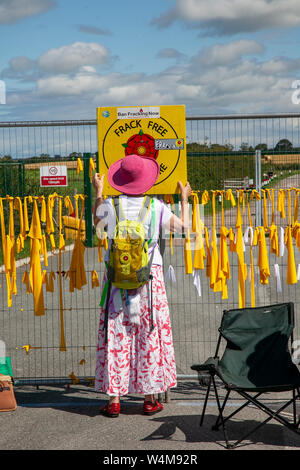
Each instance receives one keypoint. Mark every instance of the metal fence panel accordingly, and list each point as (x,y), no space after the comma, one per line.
(221,150)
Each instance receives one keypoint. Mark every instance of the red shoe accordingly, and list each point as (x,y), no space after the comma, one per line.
(112,410)
(150,408)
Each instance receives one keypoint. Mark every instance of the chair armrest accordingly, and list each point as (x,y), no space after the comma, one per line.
(210,365)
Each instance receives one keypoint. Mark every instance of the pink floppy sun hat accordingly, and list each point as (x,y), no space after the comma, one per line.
(133,174)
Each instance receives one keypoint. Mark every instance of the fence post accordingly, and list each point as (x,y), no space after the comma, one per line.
(21,178)
(97,161)
(88,200)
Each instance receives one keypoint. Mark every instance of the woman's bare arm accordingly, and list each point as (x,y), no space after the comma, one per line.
(98,185)
(178,224)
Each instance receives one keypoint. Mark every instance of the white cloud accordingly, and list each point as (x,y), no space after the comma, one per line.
(223,54)
(220,79)
(170,53)
(64,85)
(12,11)
(69,58)
(19,67)
(232,16)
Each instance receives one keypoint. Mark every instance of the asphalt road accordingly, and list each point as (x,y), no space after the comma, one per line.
(56,418)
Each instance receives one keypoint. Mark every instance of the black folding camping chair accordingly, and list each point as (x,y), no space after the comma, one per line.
(257,359)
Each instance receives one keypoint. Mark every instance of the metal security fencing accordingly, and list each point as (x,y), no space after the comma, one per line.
(223,152)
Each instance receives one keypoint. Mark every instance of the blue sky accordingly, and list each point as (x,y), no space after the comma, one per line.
(60,59)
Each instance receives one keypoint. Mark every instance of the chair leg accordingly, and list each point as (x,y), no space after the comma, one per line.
(236,411)
(297,422)
(220,408)
(275,415)
(205,401)
(217,425)
(294,408)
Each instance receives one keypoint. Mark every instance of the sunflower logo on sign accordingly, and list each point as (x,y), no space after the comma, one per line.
(141,144)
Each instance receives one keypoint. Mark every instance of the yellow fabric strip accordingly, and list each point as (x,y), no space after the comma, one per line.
(44,249)
(188,254)
(291,277)
(263,261)
(95,279)
(69,205)
(265,214)
(49,213)
(214,283)
(76,273)
(240,253)
(25,280)
(35,228)
(205,197)
(251,256)
(281,203)
(41,200)
(50,283)
(197,227)
(79,166)
(296,206)
(229,197)
(26,221)
(35,275)
(273,231)
(18,206)
(91,168)
(61,242)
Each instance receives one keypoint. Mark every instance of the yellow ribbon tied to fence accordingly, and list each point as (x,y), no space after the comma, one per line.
(69,205)
(102,243)
(252,283)
(291,277)
(26,221)
(223,273)
(198,227)
(26,281)
(230,197)
(273,231)
(281,203)
(266,192)
(21,236)
(239,248)
(215,284)
(79,166)
(9,256)
(188,261)
(49,219)
(296,224)
(95,279)
(91,168)
(50,282)
(76,272)
(35,276)
(263,261)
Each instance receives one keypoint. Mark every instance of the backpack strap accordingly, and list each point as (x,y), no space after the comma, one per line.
(119,213)
(144,209)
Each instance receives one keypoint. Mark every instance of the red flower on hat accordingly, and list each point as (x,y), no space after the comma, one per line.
(141,144)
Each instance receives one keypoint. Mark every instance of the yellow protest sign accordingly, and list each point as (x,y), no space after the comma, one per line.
(154,131)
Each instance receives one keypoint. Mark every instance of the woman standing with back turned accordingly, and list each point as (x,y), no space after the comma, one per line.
(136,358)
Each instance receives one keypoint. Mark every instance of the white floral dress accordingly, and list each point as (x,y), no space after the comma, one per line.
(135,359)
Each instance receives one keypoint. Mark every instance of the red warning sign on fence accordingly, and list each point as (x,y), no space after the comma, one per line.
(53,175)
